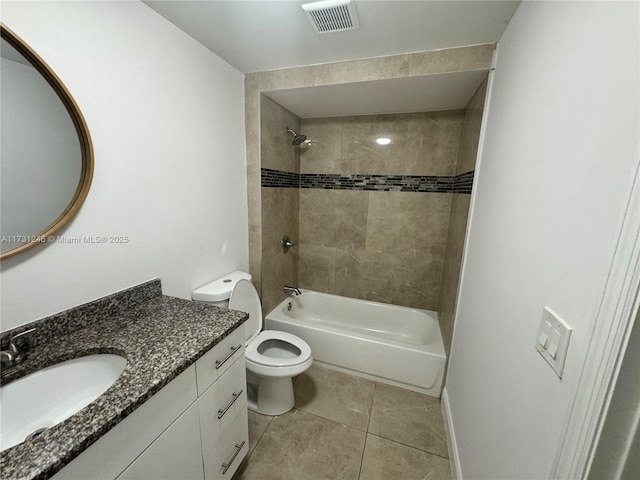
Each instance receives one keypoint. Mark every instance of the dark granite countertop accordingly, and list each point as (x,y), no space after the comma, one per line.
(159,336)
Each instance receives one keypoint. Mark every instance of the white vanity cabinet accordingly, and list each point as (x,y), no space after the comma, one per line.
(174,454)
(203,411)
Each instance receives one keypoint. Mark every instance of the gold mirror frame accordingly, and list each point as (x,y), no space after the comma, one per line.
(86,147)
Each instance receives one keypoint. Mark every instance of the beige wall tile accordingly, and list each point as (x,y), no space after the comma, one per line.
(408,280)
(408,223)
(364,275)
(376,68)
(476,57)
(458,217)
(279,218)
(334,218)
(416,280)
(421,144)
(317,266)
(252,128)
(316,217)
(350,210)
(277,271)
(276,149)
(451,267)
(471,130)
(279,207)
(324,152)
(401,262)
(255,256)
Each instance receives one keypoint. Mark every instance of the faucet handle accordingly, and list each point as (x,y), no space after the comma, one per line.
(286,244)
(12,339)
(295,290)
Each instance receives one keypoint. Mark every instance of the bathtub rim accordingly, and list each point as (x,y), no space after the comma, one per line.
(436,348)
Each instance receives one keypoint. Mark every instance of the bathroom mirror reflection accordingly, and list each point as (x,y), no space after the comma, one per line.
(47,160)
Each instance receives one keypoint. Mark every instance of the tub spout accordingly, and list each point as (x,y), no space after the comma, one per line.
(296,291)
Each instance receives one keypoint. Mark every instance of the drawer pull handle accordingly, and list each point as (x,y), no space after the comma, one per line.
(225,466)
(224,410)
(219,363)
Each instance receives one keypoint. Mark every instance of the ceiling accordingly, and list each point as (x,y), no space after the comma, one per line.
(398,95)
(255,36)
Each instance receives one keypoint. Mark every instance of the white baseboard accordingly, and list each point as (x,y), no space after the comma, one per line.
(452,446)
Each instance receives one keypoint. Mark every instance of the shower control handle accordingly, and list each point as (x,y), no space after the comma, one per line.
(286,244)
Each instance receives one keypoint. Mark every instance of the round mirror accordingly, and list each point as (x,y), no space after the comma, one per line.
(46,161)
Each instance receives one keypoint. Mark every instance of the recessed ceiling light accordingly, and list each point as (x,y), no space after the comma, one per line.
(383,141)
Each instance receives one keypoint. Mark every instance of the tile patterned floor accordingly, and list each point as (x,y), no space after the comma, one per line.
(348,428)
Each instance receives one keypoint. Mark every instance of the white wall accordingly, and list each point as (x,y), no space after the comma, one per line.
(167,120)
(561,142)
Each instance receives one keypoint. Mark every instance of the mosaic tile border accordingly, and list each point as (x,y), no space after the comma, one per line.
(385,183)
(279,179)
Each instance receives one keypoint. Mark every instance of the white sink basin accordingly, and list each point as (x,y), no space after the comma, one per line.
(47,397)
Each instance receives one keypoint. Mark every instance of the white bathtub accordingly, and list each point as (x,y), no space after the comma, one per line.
(399,346)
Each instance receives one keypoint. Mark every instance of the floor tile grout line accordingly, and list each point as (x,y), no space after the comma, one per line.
(330,419)
(262,434)
(366,436)
(410,446)
(373,400)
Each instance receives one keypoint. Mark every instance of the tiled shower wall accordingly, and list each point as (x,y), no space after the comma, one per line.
(459,212)
(265,211)
(375,238)
(375,222)
(279,205)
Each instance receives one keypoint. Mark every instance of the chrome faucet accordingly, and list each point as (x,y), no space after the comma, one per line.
(13,355)
(296,291)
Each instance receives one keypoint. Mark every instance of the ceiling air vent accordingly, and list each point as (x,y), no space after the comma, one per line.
(332,15)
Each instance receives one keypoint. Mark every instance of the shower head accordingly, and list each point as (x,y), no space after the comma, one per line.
(297,139)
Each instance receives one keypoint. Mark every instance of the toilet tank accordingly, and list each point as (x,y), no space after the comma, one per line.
(218,291)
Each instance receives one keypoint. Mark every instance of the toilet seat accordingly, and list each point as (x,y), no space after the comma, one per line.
(253,347)
(272,357)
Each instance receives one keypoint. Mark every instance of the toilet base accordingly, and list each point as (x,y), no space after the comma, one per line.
(270,396)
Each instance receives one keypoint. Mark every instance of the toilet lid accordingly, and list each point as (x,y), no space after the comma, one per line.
(277,349)
(245,298)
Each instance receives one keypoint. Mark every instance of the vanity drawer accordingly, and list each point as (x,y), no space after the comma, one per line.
(220,404)
(213,364)
(222,462)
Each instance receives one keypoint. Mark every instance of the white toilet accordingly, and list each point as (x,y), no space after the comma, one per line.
(272,357)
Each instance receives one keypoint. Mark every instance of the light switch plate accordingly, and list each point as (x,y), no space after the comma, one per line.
(552,340)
